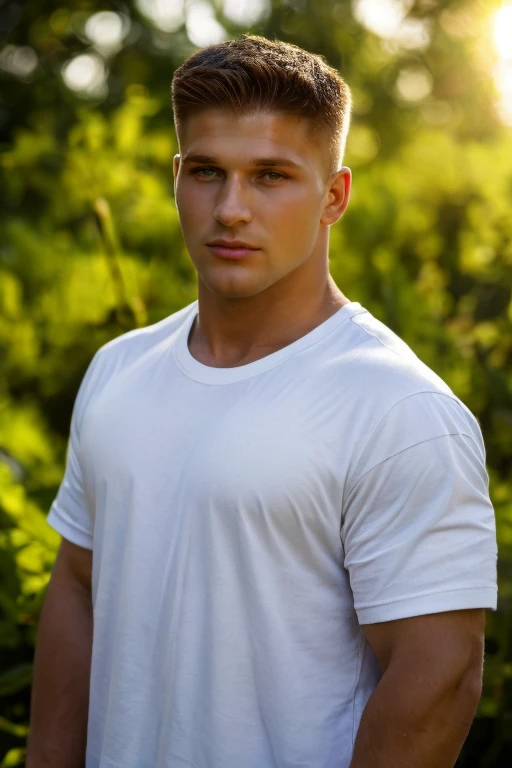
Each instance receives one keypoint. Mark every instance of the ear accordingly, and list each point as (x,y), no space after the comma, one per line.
(338,194)
(175,169)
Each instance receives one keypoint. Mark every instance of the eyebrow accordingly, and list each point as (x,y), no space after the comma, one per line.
(267,162)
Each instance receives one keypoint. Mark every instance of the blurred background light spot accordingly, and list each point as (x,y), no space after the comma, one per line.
(388,19)
(503,31)
(167,15)
(412,34)
(86,75)
(20,61)
(383,17)
(414,84)
(107,30)
(504,83)
(202,26)
(246,12)
(503,72)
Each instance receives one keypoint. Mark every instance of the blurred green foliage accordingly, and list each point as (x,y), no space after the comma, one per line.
(90,247)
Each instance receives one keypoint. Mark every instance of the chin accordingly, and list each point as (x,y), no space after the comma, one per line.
(232,288)
(232,292)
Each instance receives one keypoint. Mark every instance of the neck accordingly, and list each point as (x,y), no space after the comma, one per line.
(232,332)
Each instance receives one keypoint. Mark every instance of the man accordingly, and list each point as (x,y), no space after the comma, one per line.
(278,541)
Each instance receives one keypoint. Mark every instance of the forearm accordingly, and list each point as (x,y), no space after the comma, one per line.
(407,725)
(60,691)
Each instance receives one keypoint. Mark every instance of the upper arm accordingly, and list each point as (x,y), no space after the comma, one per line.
(444,646)
(418,528)
(73,567)
(71,514)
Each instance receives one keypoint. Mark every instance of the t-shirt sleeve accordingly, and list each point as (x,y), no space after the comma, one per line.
(71,514)
(418,527)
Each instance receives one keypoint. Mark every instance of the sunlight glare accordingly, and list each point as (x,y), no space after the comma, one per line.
(503,44)
(503,31)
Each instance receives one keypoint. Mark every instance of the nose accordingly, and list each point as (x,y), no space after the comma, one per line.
(232,205)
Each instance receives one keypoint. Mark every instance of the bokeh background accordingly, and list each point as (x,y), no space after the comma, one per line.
(90,244)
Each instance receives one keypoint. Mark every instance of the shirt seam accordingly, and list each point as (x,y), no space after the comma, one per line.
(61,515)
(428,593)
(390,349)
(386,413)
(409,447)
(191,374)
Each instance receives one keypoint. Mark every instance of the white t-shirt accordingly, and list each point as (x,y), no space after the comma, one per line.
(245,521)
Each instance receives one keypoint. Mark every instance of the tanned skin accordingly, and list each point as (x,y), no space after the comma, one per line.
(62,666)
(421,711)
(254,306)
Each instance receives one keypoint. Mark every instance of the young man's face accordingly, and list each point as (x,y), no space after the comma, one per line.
(254,198)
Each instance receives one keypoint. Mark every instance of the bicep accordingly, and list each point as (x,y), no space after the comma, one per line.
(73,566)
(446,645)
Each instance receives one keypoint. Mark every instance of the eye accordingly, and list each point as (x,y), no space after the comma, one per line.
(204,173)
(274,175)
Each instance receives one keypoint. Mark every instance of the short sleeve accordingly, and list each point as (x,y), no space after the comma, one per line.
(418,527)
(70,514)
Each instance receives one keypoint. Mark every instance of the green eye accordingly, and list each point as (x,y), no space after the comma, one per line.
(273,176)
(204,173)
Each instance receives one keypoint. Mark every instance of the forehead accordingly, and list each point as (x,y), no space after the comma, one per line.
(235,138)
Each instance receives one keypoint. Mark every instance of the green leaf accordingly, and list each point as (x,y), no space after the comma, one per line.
(15,728)
(14,757)
(16,679)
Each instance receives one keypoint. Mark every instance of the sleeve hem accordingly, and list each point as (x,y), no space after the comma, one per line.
(75,535)
(439,602)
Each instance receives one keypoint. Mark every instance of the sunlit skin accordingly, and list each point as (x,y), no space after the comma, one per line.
(261,178)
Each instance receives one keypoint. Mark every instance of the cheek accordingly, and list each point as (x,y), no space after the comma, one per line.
(192,203)
(296,217)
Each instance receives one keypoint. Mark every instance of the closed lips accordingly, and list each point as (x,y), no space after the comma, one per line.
(232,244)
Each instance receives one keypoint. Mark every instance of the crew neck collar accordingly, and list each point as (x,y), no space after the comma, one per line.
(211,375)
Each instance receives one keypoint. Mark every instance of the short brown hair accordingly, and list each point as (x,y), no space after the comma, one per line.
(253,73)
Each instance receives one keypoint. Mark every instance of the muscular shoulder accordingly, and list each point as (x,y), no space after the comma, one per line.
(132,345)
(383,367)
(396,400)
(118,355)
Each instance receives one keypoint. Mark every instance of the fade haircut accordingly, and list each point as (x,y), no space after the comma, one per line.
(252,74)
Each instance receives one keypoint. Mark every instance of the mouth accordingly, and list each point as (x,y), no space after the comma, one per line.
(232,249)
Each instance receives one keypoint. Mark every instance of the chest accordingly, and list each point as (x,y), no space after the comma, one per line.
(255,448)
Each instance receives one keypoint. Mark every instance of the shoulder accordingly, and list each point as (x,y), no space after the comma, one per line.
(383,365)
(133,344)
(398,400)
(117,355)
